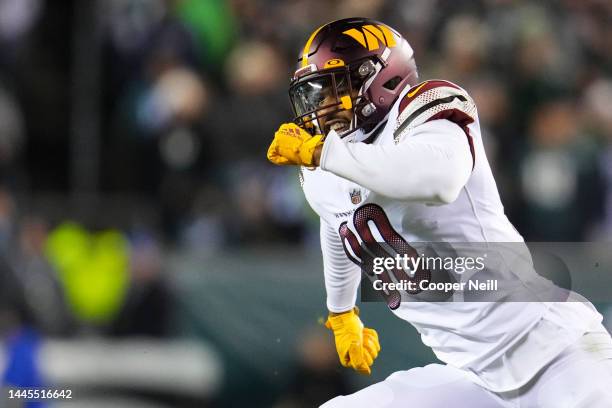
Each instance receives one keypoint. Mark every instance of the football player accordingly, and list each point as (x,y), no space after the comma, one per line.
(386,158)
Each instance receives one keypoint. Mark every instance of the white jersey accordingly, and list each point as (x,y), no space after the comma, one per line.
(426,178)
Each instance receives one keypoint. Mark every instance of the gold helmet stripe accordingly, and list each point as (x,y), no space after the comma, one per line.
(308,44)
(357,36)
(388,35)
(372,41)
(376,31)
(372,36)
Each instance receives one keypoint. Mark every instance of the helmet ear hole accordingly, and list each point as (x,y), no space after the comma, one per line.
(392,83)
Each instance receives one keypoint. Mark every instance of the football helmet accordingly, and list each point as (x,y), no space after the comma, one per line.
(350,73)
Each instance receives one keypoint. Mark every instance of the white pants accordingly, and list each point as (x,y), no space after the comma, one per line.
(580,377)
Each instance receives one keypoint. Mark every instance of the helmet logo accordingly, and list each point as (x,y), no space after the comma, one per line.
(370,36)
(332,63)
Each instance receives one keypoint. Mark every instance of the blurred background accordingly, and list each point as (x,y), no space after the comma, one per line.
(150,256)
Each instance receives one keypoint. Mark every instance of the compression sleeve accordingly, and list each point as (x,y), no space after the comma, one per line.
(342,276)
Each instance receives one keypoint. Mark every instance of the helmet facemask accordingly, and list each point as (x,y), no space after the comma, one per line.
(318,97)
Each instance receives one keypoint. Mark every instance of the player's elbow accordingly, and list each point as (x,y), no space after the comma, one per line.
(432,188)
(448,194)
(450,187)
(456,175)
(434,192)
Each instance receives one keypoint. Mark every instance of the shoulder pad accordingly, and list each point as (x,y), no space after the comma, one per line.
(435,99)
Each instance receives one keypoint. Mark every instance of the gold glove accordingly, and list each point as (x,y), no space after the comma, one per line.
(357,346)
(293,145)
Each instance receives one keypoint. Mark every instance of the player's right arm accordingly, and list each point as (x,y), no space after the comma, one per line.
(357,346)
(342,276)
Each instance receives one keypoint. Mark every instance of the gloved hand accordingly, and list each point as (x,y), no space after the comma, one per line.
(357,346)
(293,145)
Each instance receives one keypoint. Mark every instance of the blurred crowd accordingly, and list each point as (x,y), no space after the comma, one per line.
(189,94)
(182,98)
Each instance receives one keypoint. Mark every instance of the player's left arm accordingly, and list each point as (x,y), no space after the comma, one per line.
(432,158)
(431,166)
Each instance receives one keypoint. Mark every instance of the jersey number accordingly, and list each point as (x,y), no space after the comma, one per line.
(363,254)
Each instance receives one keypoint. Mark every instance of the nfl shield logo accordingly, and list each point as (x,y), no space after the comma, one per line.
(355,196)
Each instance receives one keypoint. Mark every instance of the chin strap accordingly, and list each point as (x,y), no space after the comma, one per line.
(358,134)
(375,132)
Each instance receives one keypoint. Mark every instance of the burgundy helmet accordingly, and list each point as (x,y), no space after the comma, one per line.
(357,64)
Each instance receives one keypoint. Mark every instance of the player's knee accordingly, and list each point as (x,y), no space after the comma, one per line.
(376,395)
(335,403)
